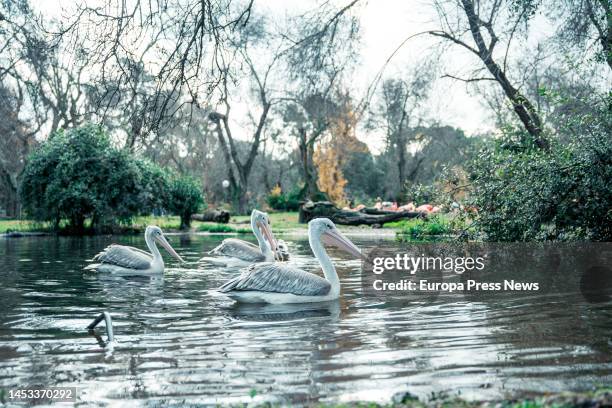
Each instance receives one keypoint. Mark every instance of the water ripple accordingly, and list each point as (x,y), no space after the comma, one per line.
(180,342)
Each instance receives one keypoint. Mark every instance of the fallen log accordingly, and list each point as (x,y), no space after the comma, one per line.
(311,210)
(375,211)
(220,216)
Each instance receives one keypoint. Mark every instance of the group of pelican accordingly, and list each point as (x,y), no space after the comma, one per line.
(266,277)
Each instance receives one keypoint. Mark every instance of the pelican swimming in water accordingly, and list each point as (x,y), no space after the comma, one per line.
(279,283)
(126,259)
(238,252)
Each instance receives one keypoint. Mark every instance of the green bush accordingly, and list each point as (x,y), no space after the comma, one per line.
(277,200)
(422,228)
(523,193)
(222,228)
(78,174)
(184,198)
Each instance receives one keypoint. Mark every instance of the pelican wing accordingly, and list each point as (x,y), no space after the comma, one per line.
(125,256)
(278,278)
(237,248)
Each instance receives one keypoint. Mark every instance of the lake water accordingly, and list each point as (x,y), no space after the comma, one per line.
(178,342)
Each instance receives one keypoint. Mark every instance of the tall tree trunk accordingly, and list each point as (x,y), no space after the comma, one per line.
(239,183)
(11,201)
(309,173)
(243,199)
(401,167)
(523,108)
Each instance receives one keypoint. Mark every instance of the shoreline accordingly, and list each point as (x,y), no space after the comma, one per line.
(296,232)
(565,399)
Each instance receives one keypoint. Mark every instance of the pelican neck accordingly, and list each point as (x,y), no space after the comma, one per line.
(263,247)
(329,270)
(157,258)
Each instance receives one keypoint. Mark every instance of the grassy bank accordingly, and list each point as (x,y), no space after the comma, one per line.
(238,224)
(435,226)
(440,226)
(23,226)
(281,221)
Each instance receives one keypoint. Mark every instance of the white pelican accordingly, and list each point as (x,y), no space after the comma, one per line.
(238,252)
(279,283)
(126,259)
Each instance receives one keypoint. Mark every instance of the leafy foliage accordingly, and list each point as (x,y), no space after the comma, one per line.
(78,174)
(154,194)
(429,228)
(280,201)
(185,198)
(523,193)
(331,180)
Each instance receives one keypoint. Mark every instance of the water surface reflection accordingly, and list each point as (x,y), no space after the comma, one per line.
(180,342)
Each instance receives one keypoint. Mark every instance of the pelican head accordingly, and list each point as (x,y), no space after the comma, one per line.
(262,222)
(154,233)
(324,230)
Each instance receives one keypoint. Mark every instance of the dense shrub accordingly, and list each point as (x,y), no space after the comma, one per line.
(184,198)
(154,190)
(77,175)
(523,193)
(277,200)
(424,228)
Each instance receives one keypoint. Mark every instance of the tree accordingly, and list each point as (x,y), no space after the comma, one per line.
(16,141)
(78,174)
(36,63)
(364,178)
(479,29)
(239,167)
(399,111)
(185,198)
(153,194)
(331,181)
(554,89)
(570,199)
(321,55)
(187,39)
(584,23)
(335,152)
(309,117)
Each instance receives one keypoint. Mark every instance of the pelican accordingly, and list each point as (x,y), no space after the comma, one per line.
(238,252)
(282,250)
(126,259)
(279,283)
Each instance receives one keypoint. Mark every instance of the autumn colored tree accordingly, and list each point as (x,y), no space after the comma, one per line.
(331,181)
(335,150)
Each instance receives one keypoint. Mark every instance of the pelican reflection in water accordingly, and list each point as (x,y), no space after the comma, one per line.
(285,312)
(126,259)
(279,283)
